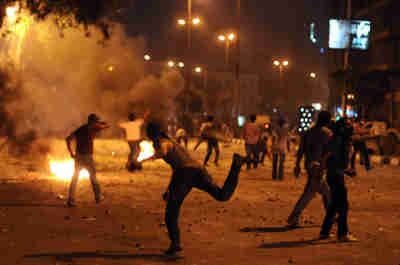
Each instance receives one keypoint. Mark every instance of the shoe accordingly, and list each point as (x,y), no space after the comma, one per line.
(347,238)
(172,250)
(326,236)
(238,159)
(293,225)
(100,199)
(70,204)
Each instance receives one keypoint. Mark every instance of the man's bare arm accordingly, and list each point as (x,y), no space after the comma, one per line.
(68,141)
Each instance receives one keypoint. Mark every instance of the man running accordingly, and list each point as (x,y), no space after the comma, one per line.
(83,156)
(313,145)
(187,173)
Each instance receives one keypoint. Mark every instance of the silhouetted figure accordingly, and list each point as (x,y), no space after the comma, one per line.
(83,155)
(337,160)
(314,145)
(187,173)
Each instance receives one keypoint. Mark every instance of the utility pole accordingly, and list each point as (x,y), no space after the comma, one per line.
(237,67)
(188,53)
(346,61)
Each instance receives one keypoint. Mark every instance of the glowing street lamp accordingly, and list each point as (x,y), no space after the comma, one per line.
(181,64)
(171,63)
(228,39)
(313,75)
(276,63)
(147,57)
(285,63)
(350,96)
(281,65)
(195,21)
(110,68)
(198,69)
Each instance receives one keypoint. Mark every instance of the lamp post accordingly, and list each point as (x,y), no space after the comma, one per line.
(228,39)
(282,65)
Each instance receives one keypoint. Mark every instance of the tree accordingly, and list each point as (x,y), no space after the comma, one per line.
(71,13)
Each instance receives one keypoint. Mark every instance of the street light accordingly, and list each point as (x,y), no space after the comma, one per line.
(147,57)
(281,66)
(313,75)
(181,64)
(195,21)
(228,39)
(171,63)
(198,69)
(350,96)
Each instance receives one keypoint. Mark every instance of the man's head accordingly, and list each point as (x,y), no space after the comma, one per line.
(324,118)
(253,118)
(132,116)
(93,118)
(210,118)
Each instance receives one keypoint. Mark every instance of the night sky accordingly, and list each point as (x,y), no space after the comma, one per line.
(270,29)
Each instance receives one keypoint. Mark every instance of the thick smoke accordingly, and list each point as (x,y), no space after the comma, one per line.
(61,79)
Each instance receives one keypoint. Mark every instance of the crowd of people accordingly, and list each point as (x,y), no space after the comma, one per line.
(326,148)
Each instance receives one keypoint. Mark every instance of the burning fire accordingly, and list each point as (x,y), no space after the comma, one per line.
(64,169)
(146,150)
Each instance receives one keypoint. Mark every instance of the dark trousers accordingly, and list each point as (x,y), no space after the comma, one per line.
(339,204)
(262,151)
(184,139)
(183,180)
(132,163)
(84,162)
(212,144)
(278,158)
(252,155)
(360,146)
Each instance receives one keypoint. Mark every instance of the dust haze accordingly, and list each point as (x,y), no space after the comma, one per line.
(63,77)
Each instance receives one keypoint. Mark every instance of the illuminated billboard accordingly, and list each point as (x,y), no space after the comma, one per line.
(342,31)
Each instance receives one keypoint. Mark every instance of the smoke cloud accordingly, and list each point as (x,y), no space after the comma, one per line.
(62,78)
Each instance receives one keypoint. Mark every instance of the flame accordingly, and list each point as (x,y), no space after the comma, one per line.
(146,150)
(64,169)
(11,12)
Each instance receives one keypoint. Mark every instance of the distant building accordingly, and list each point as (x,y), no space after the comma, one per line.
(375,73)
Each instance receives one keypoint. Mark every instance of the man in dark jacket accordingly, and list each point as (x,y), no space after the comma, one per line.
(83,156)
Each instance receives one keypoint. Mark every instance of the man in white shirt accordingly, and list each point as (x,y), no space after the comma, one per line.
(280,144)
(133,131)
(252,133)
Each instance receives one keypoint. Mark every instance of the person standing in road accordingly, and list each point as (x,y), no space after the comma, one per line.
(280,144)
(359,146)
(133,132)
(336,161)
(251,134)
(313,146)
(83,155)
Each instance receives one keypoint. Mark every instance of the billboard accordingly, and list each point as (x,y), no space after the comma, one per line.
(342,32)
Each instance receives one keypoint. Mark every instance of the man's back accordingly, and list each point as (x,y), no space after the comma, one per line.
(252,133)
(133,129)
(316,143)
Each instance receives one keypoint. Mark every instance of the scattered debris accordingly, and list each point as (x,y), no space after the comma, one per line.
(89,218)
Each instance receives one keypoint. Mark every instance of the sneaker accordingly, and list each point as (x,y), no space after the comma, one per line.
(326,236)
(100,199)
(172,250)
(293,225)
(70,204)
(238,159)
(347,238)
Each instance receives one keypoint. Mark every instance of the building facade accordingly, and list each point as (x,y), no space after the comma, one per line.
(373,76)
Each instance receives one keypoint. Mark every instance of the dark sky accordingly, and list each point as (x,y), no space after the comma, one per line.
(270,29)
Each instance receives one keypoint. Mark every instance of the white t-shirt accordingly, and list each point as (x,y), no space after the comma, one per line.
(132,129)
